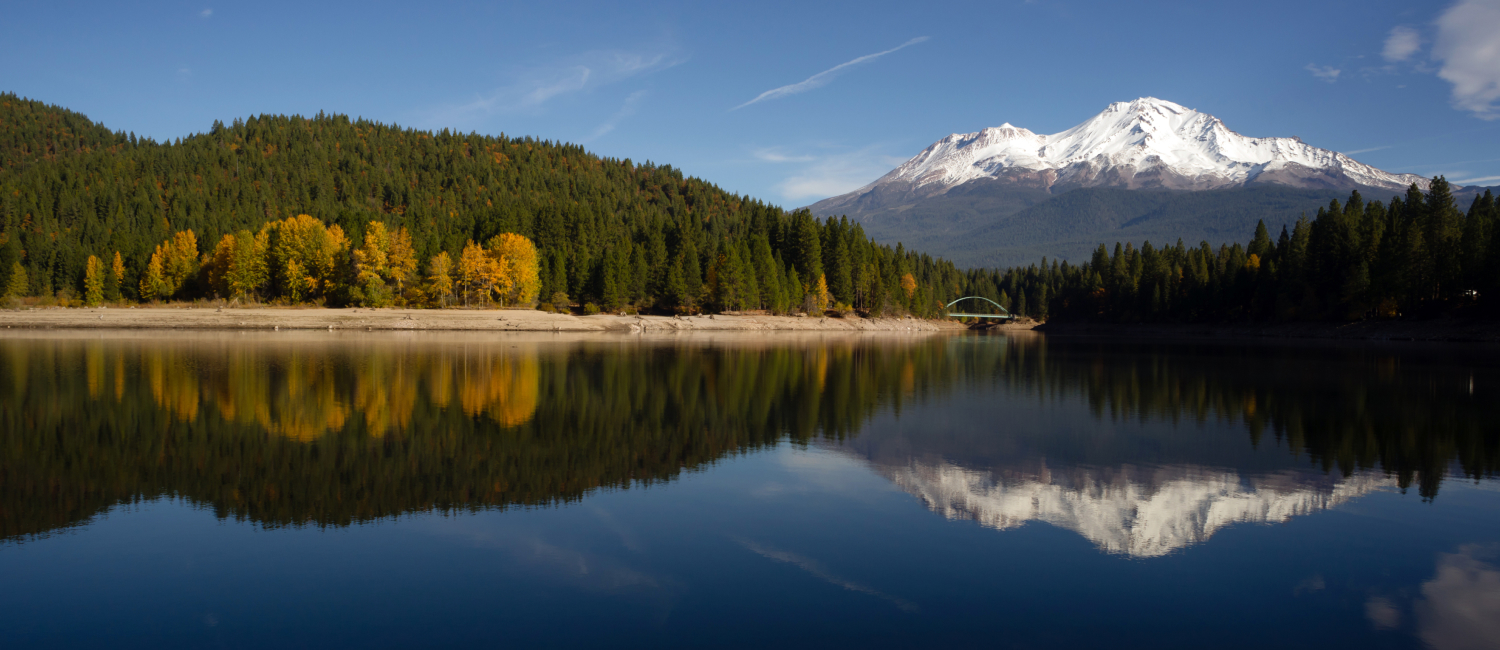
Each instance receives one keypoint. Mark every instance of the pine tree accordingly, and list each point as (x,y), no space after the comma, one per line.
(1477,233)
(114,279)
(768,271)
(807,251)
(1260,246)
(679,297)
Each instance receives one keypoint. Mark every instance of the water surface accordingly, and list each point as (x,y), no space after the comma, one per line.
(397,490)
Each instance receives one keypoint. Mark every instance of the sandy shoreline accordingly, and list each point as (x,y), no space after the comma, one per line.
(491,320)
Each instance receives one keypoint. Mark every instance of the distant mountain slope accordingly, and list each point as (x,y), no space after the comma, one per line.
(1147,169)
(984,225)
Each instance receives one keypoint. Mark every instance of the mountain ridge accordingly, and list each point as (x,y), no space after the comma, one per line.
(1152,169)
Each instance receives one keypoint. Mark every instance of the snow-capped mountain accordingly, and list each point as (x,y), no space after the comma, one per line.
(1132,511)
(1147,143)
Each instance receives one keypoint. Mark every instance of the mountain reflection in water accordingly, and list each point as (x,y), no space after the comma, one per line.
(1121,513)
(333,430)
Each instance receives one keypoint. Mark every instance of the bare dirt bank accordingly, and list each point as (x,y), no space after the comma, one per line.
(497,320)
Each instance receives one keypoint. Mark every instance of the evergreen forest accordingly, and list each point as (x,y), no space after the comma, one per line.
(1415,255)
(333,211)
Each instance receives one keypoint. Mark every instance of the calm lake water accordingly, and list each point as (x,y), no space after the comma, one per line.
(300,490)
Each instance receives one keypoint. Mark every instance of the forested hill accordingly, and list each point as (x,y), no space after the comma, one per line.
(608,231)
(31,131)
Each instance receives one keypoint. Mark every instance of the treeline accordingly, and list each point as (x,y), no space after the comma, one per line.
(606,231)
(1417,254)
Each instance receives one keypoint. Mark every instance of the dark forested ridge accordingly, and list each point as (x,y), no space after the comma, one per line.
(607,231)
(1419,254)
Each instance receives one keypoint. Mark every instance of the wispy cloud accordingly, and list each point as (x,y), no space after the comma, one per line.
(1360,151)
(776,155)
(626,110)
(819,175)
(1401,44)
(1477,181)
(817,570)
(1327,73)
(531,89)
(1468,45)
(822,78)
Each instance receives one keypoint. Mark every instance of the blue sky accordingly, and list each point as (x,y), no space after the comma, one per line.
(736,93)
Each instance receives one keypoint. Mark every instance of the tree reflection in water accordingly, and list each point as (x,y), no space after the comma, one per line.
(334,430)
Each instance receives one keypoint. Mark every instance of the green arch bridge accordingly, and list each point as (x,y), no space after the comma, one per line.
(1003,315)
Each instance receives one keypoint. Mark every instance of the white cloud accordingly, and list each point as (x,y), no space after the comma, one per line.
(822,78)
(1401,44)
(819,176)
(1359,151)
(1468,45)
(1461,604)
(206,13)
(1382,613)
(1329,74)
(626,110)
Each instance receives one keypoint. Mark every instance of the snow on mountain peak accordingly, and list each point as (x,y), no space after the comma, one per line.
(1148,142)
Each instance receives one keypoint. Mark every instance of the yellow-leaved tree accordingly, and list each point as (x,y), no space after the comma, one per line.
(237,268)
(18,284)
(476,273)
(218,265)
(370,266)
(116,278)
(820,295)
(517,269)
(172,263)
(305,256)
(401,261)
(439,287)
(93,281)
(383,265)
(248,271)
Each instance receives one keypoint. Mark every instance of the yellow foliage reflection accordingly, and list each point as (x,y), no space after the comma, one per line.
(305,395)
(505,388)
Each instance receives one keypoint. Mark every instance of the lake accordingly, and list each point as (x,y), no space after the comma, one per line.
(741,490)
